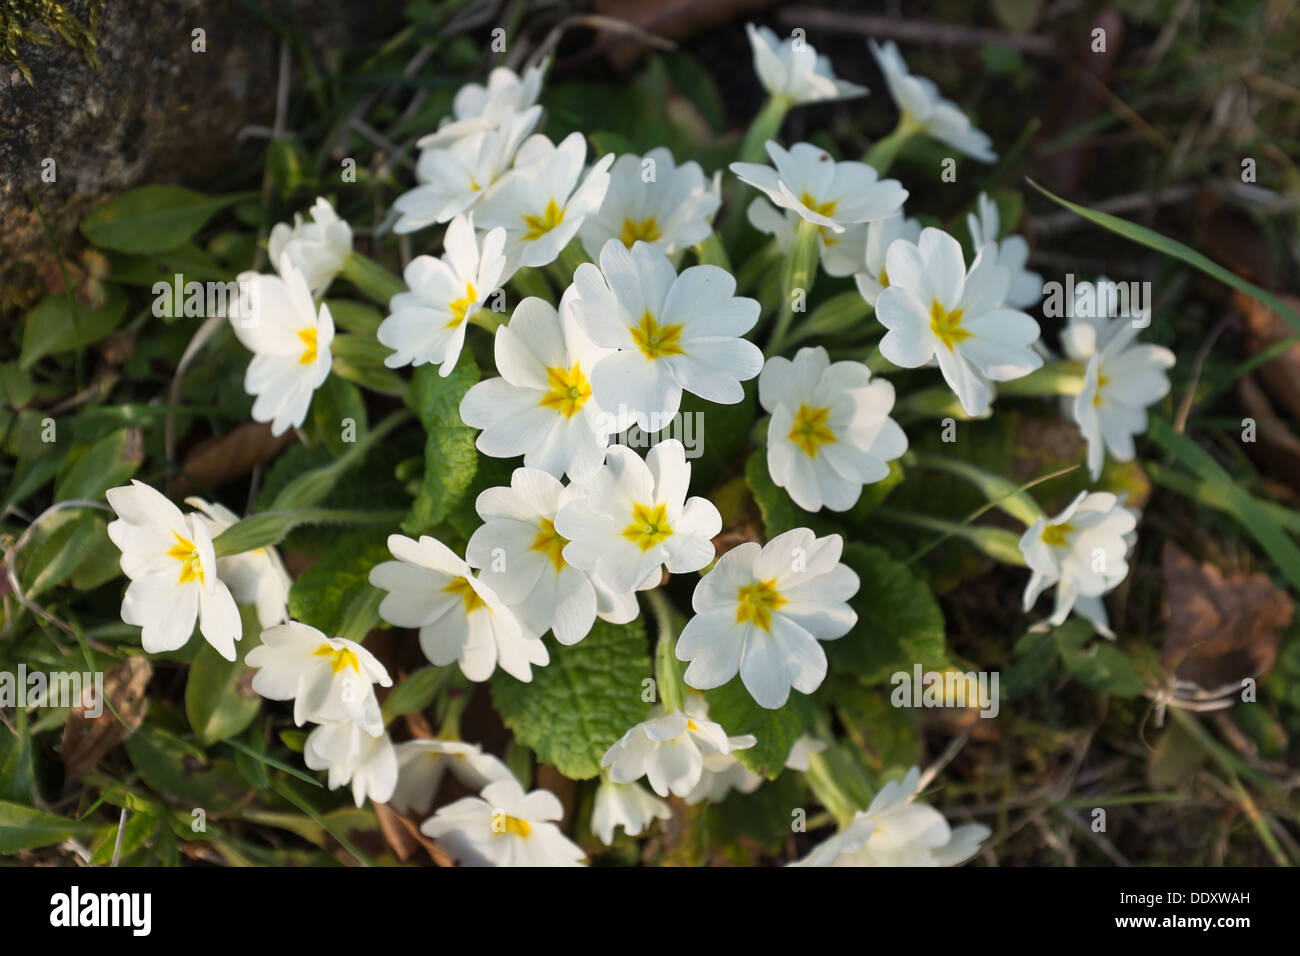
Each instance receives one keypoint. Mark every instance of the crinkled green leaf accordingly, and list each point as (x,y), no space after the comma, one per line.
(322,594)
(732,706)
(152,218)
(577,706)
(57,324)
(450,458)
(899,621)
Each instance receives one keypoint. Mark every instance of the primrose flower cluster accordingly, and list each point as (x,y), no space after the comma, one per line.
(586,527)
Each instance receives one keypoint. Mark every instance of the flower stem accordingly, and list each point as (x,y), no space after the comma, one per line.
(797,277)
(883,152)
(764,127)
(825,787)
(374,281)
(668,671)
(1054,378)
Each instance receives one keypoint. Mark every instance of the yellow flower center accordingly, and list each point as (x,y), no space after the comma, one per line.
(884,278)
(647,230)
(1102,382)
(649,526)
(810,430)
(946,326)
(460,307)
(465,590)
(185,551)
(551,543)
(568,391)
(690,724)
(513,825)
(821,208)
(340,659)
(756,602)
(655,340)
(539,226)
(308,337)
(1055,534)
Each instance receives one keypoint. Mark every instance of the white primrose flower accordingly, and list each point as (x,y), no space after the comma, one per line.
(329,679)
(477,108)
(504,827)
(169,560)
(460,618)
(626,805)
(724,772)
(841,252)
(636,518)
(672,332)
(1120,380)
(455,178)
(255,577)
(829,194)
(652,199)
(880,235)
(669,750)
(1011,253)
(540,203)
(521,556)
(421,765)
(319,249)
(935,310)
(542,405)
(918,99)
(352,754)
(1084,552)
(290,341)
(830,432)
(761,612)
(428,323)
(895,831)
(792,70)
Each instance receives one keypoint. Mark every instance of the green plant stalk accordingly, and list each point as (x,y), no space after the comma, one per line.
(529,282)
(797,274)
(711,252)
(355,624)
(825,786)
(883,152)
(668,671)
(269,527)
(997,543)
(1000,491)
(766,125)
(838,314)
(1054,378)
(375,282)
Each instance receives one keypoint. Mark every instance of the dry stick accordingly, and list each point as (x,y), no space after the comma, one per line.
(923,31)
(949,752)
(209,327)
(1072,817)
(1185,407)
(598,23)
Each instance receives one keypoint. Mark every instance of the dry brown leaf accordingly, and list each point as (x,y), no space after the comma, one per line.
(218,460)
(405,838)
(1276,447)
(1264,329)
(1222,628)
(86,739)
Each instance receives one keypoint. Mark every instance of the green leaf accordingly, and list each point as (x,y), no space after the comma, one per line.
(415,692)
(732,706)
(65,541)
(57,324)
(17,770)
(780,514)
(322,594)
(183,773)
(719,434)
(107,463)
(577,706)
(1101,666)
(338,415)
(899,621)
(355,317)
(152,218)
(360,359)
(101,558)
(191,262)
(450,459)
(23,828)
(215,701)
(1034,664)
(1171,247)
(696,83)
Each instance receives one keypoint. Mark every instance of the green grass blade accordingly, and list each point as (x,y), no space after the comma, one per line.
(1171,247)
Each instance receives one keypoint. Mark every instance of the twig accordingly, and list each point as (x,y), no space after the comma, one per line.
(921,31)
